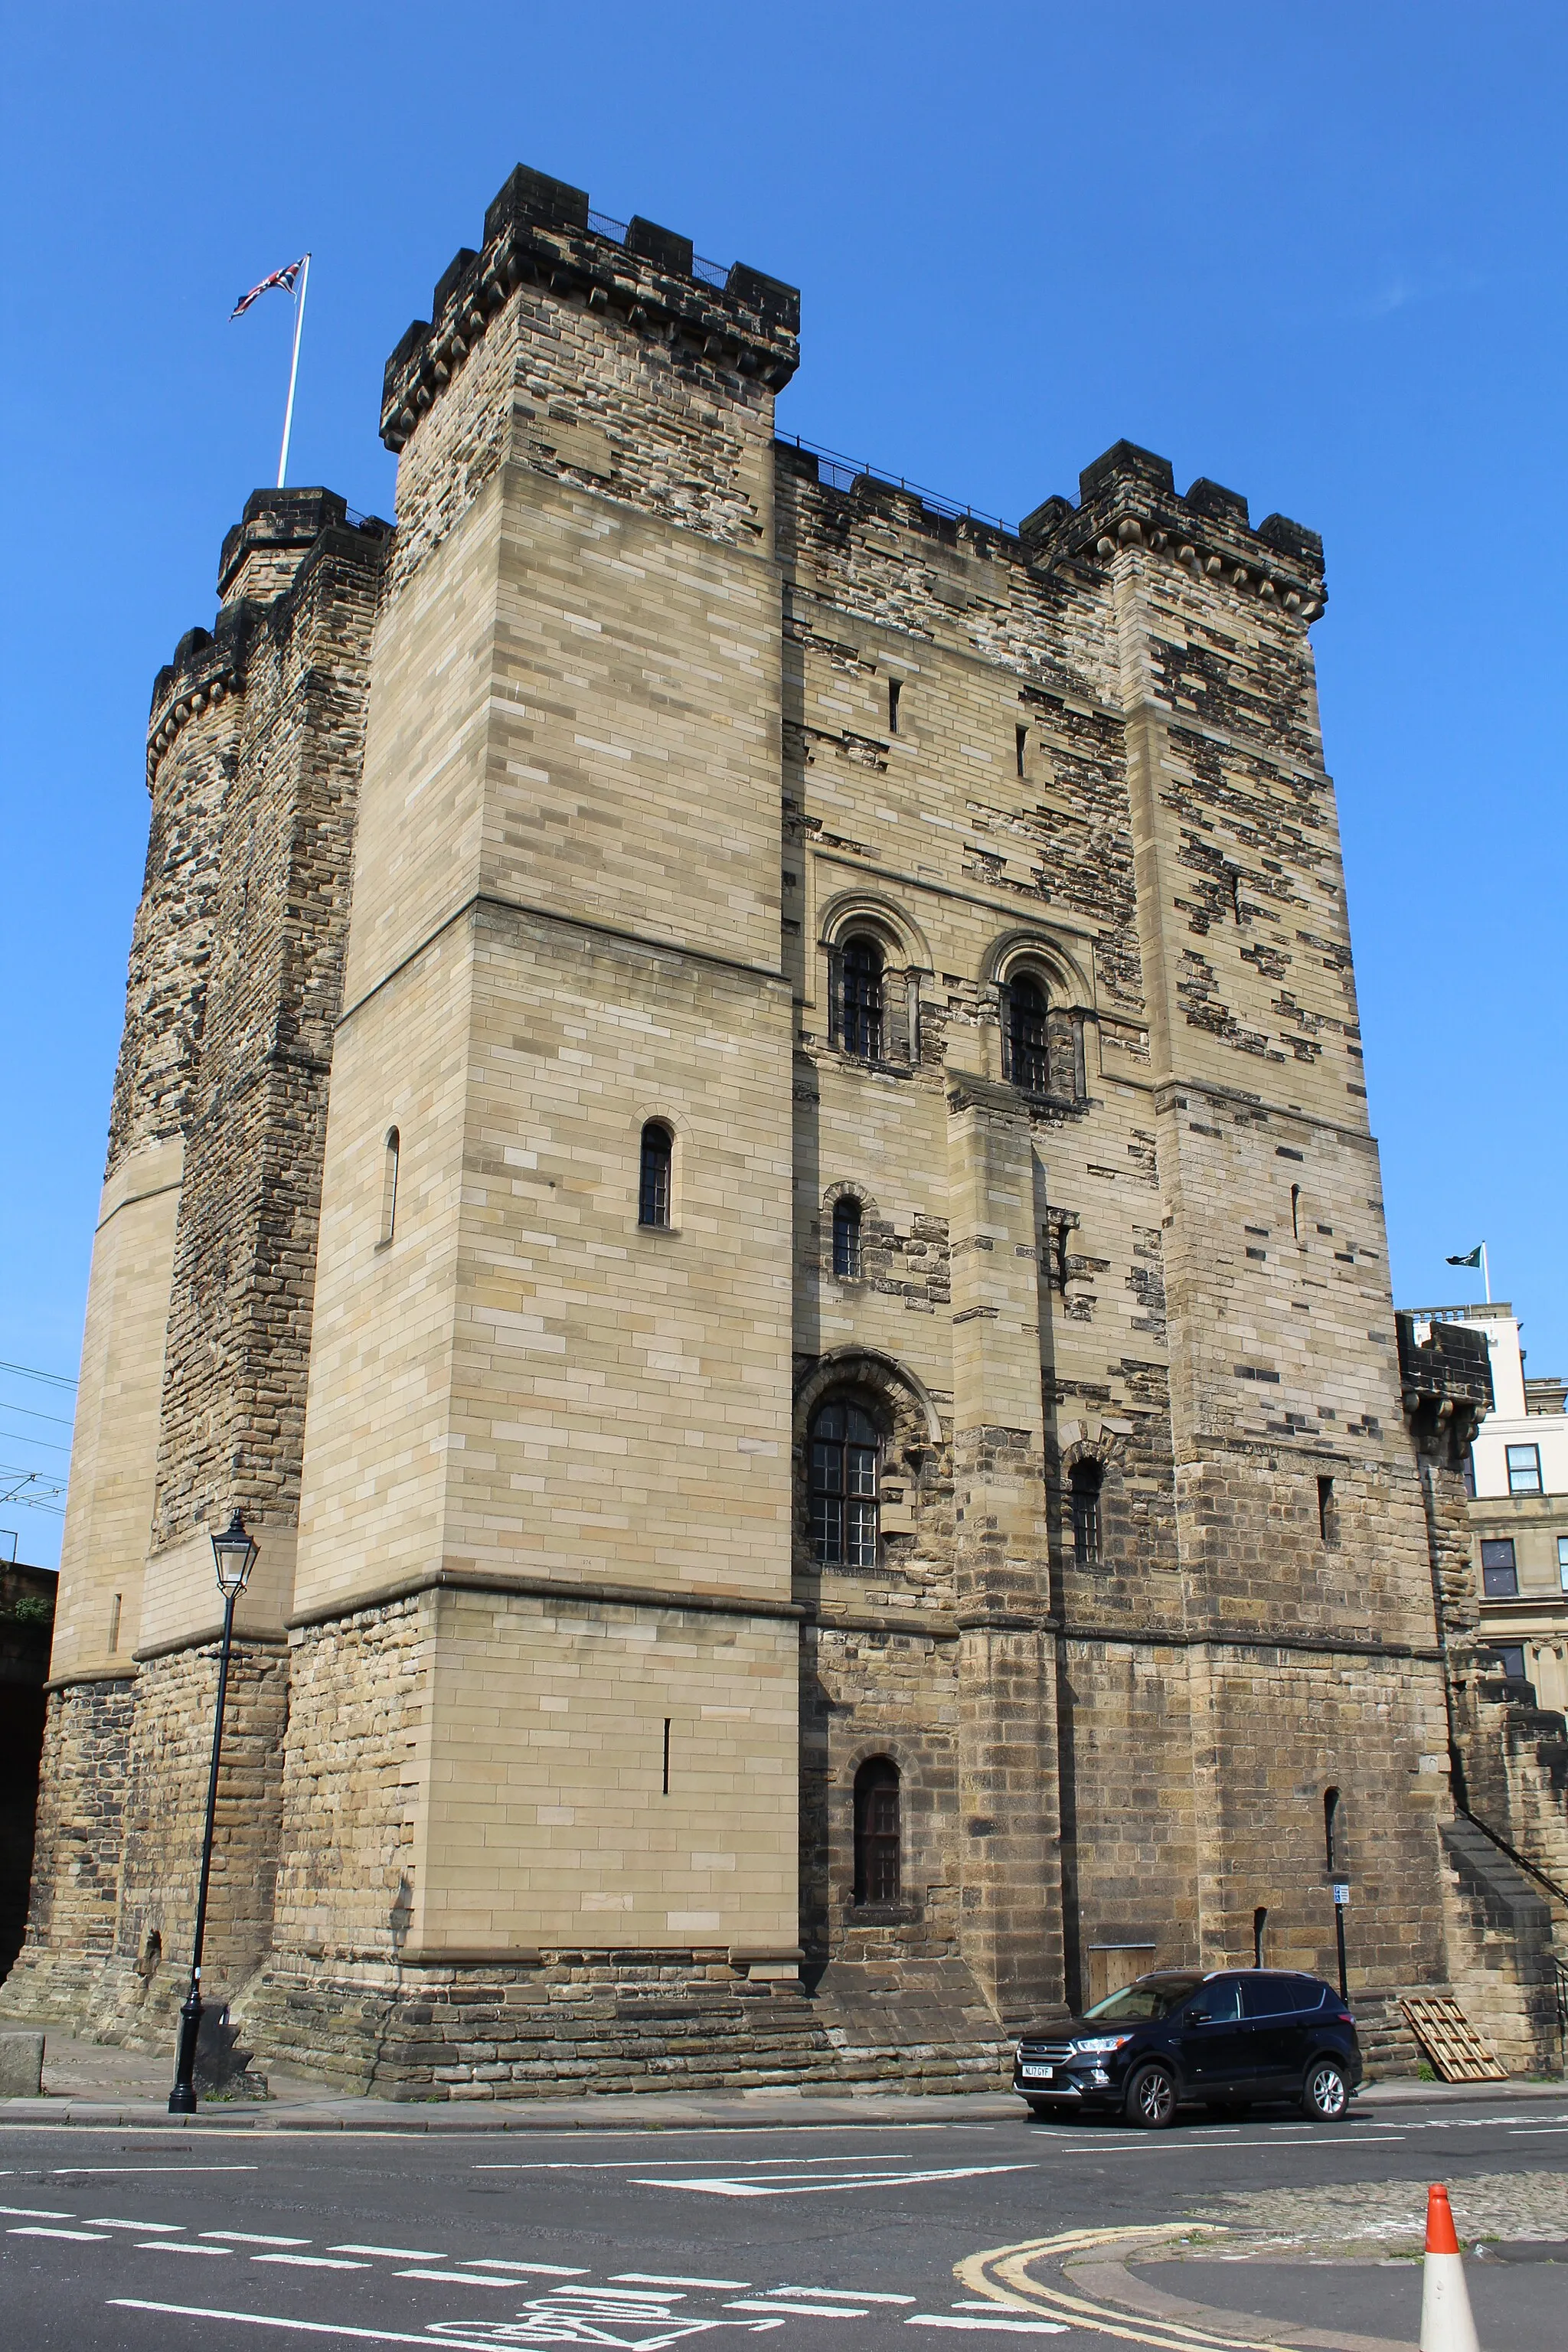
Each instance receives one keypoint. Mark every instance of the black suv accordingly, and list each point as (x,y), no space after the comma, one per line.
(1224,2039)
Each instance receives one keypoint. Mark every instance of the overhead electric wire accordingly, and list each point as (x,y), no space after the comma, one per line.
(33,1414)
(49,1444)
(28,1372)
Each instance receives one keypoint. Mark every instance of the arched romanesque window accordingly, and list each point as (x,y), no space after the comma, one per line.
(860,1011)
(844,1450)
(1084,1485)
(653,1184)
(876,1832)
(1028,1037)
(847,1238)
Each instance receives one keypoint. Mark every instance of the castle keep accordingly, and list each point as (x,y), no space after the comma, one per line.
(742,1136)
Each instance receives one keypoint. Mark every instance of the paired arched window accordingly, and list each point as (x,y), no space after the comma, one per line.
(876,1832)
(1029,1035)
(847,1239)
(844,1455)
(1083,1488)
(653,1180)
(389,1186)
(860,1025)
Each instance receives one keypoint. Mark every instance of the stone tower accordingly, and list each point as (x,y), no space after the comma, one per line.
(822,1405)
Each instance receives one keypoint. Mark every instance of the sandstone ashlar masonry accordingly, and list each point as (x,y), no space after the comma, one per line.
(979,887)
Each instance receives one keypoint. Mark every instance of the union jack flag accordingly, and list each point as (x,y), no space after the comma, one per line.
(284,278)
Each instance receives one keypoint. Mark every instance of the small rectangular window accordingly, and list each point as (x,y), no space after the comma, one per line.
(1562,1561)
(1023,745)
(1469,1473)
(1509,1657)
(895,689)
(1499,1572)
(666,1724)
(113,1624)
(1524,1469)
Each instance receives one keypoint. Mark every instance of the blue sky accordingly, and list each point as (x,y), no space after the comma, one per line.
(1316,255)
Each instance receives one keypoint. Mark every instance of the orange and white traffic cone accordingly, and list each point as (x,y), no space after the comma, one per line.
(1446,2322)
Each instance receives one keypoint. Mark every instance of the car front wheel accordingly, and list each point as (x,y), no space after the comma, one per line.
(1325,2094)
(1151,2098)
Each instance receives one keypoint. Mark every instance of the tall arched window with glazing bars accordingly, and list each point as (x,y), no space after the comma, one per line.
(860,1022)
(1029,1035)
(844,1455)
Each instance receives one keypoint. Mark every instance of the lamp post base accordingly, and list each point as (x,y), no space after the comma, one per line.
(182,2097)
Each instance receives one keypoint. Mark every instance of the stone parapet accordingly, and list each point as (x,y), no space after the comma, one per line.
(539,232)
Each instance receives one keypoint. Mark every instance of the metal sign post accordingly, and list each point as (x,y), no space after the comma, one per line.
(1341,1904)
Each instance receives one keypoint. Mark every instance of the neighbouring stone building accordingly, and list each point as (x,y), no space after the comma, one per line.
(833,1463)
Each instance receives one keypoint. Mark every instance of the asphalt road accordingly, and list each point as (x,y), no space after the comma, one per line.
(113,2240)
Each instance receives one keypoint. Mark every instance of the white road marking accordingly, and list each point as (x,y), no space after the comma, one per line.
(251,2238)
(311,2261)
(462,2278)
(545,2270)
(396,2253)
(298,2326)
(678,2163)
(616,2294)
(660,2278)
(65,2171)
(801,2310)
(38,2213)
(994,2327)
(164,2246)
(845,2293)
(106,2221)
(720,2185)
(33,2230)
(1537,2131)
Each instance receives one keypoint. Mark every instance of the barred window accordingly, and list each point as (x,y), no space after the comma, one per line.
(861,1025)
(876,1832)
(1029,1041)
(653,1188)
(847,1239)
(844,1461)
(1084,1490)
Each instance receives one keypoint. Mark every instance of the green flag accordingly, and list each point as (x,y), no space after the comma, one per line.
(1473,1259)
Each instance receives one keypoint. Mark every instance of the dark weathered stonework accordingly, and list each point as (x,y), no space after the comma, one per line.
(1141,1259)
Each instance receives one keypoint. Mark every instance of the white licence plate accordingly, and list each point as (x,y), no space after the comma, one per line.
(1036,2073)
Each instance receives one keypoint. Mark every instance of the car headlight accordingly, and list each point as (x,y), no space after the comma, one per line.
(1100,2043)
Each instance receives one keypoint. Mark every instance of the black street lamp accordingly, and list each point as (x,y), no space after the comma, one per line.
(234,1555)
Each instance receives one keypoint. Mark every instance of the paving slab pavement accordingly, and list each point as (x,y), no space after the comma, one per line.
(88,2083)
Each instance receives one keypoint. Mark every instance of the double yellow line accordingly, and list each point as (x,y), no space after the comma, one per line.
(1002,2276)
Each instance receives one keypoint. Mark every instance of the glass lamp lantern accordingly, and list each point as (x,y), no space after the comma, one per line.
(234,1557)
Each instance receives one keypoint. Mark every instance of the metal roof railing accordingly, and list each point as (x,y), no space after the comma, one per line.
(708,273)
(841,473)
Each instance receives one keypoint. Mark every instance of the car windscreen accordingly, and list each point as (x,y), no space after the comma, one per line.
(1151,1997)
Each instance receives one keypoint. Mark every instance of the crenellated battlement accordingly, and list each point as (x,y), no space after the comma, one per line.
(263,556)
(1127,498)
(541,232)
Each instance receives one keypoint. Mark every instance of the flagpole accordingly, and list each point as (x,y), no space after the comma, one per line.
(293,370)
(1485,1274)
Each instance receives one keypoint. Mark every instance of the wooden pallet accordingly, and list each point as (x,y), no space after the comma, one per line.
(1457,2051)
